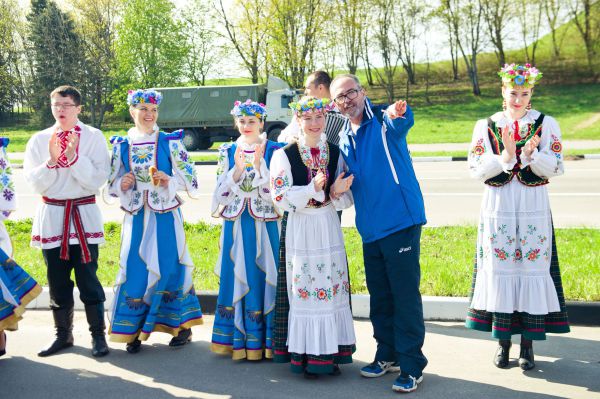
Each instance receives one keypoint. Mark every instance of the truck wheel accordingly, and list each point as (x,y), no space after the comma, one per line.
(190,140)
(274,133)
(204,143)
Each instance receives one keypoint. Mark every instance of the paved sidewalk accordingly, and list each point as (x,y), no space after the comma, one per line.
(459,367)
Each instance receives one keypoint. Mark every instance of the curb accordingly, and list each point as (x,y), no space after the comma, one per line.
(415,159)
(435,308)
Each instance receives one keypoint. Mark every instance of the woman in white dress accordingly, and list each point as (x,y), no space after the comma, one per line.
(313,319)
(517,286)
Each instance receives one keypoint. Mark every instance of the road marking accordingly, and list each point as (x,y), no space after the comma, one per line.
(480,194)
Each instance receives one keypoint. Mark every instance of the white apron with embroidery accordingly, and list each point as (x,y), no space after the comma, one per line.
(514,240)
(320,318)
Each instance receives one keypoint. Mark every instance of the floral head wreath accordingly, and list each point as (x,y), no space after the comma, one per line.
(249,108)
(140,96)
(525,76)
(311,104)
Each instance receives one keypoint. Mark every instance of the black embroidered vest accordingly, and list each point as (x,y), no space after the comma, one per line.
(301,173)
(524,175)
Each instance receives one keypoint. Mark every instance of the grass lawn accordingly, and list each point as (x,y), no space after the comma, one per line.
(446,258)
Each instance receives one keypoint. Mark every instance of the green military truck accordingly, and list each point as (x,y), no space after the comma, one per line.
(203,111)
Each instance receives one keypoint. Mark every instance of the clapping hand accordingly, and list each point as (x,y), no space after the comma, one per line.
(127,181)
(342,184)
(531,145)
(319,181)
(72,143)
(258,155)
(54,148)
(510,146)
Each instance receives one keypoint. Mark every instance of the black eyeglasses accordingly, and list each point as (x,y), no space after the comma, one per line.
(350,95)
(63,106)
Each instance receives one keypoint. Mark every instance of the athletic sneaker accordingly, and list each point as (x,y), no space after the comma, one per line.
(406,383)
(379,368)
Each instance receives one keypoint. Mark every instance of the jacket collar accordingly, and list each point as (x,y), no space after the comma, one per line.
(367,116)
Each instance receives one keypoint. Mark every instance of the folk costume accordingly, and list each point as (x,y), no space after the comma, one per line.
(247,264)
(154,290)
(68,226)
(313,319)
(17,288)
(517,285)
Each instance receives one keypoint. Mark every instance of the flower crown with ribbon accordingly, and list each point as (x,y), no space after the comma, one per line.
(249,108)
(311,104)
(140,96)
(524,76)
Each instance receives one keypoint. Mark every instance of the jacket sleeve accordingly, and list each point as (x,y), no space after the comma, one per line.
(547,160)
(285,195)
(399,127)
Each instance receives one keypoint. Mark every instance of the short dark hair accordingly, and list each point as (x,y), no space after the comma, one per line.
(67,91)
(348,76)
(321,78)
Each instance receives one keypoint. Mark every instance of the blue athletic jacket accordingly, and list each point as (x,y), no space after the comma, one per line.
(387,196)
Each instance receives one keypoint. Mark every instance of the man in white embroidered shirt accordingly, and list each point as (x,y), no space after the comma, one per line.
(67,164)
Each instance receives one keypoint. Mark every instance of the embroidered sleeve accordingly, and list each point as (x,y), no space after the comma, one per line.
(547,160)
(7,188)
(285,195)
(35,166)
(116,168)
(345,200)
(226,189)
(184,172)
(483,163)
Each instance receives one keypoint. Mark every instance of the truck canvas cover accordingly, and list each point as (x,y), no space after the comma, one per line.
(201,106)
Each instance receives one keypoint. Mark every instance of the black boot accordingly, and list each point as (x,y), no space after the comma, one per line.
(63,322)
(502,353)
(526,361)
(134,347)
(184,336)
(95,318)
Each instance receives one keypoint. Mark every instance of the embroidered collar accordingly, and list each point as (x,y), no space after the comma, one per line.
(135,135)
(502,120)
(307,157)
(76,128)
(250,147)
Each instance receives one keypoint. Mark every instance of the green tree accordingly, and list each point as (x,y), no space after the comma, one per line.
(246,29)
(150,47)
(202,40)
(294,33)
(8,56)
(57,54)
(96,24)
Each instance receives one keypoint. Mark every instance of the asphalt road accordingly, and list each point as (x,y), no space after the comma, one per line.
(460,366)
(451,196)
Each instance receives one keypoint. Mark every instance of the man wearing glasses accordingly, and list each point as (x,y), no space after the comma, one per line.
(67,164)
(389,215)
(317,85)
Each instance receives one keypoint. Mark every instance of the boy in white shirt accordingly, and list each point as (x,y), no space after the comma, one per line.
(67,164)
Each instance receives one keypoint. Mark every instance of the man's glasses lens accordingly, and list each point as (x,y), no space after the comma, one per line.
(62,106)
(350,95)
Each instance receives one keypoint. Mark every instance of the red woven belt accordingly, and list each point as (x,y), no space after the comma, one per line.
(72,210)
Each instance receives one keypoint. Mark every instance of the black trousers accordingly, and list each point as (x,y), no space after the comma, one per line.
(59,277)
